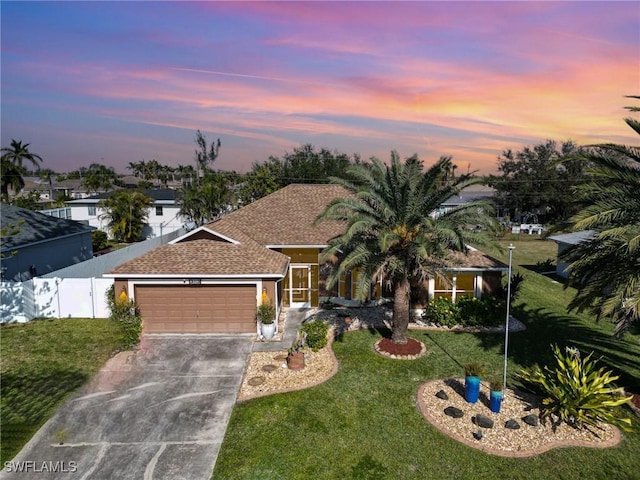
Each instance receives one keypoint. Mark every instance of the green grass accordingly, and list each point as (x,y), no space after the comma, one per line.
(363,422)
(41,363)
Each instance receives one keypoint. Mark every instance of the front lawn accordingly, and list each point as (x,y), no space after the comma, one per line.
(41,363)
(363,422)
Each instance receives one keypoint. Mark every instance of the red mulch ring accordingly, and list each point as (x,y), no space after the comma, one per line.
(412,347)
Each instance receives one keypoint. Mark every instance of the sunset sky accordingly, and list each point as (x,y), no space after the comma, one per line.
(120,82)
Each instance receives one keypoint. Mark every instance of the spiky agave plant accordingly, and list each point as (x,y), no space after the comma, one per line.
(577,392)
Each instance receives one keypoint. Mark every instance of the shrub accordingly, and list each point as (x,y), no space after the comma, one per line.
(125,312)
(441,311)
(316,332)
(472,311)
(99,240)
(577,392)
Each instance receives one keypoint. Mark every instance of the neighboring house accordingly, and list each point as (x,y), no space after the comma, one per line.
(162,216)
(212,278)
(72,188)
(34,244)
(566,241)
(473,193)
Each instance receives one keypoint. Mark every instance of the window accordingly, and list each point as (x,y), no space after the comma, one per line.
(92,210)
(158,211)
(457,285)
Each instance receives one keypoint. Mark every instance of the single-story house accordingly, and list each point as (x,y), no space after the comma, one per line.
(212,278)
(566,241)
(162,216)
(34,244)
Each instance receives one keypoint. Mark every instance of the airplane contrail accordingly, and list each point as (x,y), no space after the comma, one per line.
(244,75)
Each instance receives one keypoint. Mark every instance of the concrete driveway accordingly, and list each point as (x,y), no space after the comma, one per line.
(158,413)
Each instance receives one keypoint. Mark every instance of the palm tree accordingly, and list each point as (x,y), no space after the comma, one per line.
(126,214)
(99,177)
(606,268)
(392,233)
(18,152)
(12,166)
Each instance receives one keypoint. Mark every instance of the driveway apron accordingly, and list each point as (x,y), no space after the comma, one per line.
(160,412)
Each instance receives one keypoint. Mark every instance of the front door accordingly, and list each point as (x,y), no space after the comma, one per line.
(300,286)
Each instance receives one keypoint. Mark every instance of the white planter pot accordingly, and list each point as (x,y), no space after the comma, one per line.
(268,330)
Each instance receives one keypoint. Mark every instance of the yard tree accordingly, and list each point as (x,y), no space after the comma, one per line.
(391,232)
(126,213)
(606,269)
(203,202)
(205,154)
(537,180)
(13,168)
(305,164)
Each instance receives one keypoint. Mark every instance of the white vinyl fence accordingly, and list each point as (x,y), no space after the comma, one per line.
(54,298)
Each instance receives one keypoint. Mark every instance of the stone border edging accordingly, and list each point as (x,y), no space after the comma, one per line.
(507,453)
(381,352)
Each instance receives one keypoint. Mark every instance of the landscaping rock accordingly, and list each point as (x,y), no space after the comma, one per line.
(454,412)
(483,421)
(255,381)
(443,395)
(512,424)
(531,420)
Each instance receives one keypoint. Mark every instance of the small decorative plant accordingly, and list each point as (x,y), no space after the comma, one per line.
(266,310)
(473,369)
(299,345)
(266,313)
(576,391)
(496,385)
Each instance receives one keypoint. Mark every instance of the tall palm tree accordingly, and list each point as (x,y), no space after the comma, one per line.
(12,166)
(392,232)
(18,152)
(126,214)
(606,268)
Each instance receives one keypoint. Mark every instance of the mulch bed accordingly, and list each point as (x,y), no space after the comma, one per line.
(412,347)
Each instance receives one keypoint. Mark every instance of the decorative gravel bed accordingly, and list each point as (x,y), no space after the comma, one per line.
(271,367)
(526,441)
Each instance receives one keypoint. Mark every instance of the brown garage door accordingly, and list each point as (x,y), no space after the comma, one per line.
(201,309)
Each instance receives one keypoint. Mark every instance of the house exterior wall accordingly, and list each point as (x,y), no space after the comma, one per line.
(45,257)
(491,282)
(157,225)
(562,268)
(168,221)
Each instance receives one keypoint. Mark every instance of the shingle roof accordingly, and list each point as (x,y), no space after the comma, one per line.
(206,256)
(477,259)
(34,227)
(156,194)
(286,216)
(283,218)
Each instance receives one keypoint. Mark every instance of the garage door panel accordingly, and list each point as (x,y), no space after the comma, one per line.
(203,309)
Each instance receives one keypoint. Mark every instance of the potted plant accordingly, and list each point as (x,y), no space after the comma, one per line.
(266,316)
(295,357)
(495,395)
(472,373)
